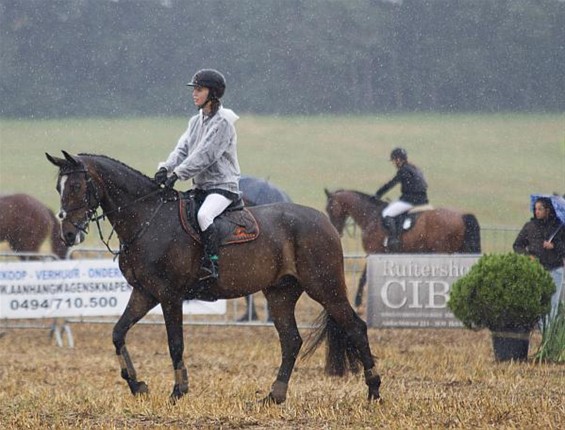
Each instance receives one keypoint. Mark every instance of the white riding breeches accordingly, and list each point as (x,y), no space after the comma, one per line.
(396,208)
(213,205)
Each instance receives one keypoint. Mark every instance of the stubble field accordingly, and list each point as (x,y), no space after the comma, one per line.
(431,379)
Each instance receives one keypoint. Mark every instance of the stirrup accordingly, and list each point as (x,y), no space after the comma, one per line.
(209,269)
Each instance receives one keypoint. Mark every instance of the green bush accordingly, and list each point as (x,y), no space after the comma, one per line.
(502,292)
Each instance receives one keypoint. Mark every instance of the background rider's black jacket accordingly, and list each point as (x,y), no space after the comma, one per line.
(414,187)
(530,242)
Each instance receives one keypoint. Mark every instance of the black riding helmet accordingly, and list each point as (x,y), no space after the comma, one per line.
(211,79)
(399,153)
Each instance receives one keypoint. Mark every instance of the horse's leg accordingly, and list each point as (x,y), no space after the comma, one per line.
(361,287)
(356,332)
(172,313)
(345,332)
(282,302)
(250,311)
(138,306)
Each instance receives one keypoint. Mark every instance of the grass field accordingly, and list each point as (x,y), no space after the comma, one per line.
(486,164)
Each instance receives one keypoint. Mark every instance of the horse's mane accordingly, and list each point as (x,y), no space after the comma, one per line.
(369,198)
(105,157)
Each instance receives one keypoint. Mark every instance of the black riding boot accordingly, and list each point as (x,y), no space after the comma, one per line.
(210,240)
(393,242)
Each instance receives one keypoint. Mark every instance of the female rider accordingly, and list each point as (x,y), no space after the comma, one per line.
(207,154)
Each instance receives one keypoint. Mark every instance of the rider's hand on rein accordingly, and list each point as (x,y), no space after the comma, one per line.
(161,176)
(170,182)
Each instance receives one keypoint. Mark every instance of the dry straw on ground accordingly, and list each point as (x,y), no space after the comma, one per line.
(431,379)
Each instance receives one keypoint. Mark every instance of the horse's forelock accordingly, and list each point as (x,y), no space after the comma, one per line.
(69,167)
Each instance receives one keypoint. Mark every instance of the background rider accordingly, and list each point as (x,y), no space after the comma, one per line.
(413,192)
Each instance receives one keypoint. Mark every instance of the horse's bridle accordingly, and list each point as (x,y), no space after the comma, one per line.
(90,209)
(91,212)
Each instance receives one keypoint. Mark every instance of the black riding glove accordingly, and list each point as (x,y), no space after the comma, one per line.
(170,182)
(161,176)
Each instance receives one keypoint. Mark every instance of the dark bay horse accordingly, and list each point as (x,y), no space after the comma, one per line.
(297,251)
(254,192)
(438,230)
(25,223)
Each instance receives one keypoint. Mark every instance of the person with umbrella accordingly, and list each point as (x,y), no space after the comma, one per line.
(543,238)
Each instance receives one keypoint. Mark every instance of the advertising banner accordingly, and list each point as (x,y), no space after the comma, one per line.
(72,288)
(412,291)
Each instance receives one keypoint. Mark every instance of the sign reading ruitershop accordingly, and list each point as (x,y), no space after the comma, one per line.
(411,291)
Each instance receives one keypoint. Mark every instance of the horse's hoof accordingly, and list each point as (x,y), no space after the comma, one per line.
(178,393)
(174,398)
(140,389)
(271,400)
(374,384)
(374,395)
(377,399)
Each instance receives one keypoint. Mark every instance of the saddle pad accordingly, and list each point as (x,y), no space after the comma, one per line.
(235,226)
(421,208)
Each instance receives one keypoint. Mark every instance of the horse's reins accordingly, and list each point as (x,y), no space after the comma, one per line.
(140,232)
(92,214)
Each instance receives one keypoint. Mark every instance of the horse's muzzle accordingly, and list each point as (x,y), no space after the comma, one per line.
(71,238)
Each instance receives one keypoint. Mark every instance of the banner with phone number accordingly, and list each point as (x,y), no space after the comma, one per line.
(73,288)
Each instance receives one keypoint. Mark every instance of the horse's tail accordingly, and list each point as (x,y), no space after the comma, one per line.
(341,354)
(57,245)
(472,238)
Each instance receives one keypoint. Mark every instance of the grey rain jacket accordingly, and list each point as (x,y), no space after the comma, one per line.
(207,152)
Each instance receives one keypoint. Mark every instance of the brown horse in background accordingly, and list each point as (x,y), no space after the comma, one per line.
(297,251)
(25,223)
(439,231)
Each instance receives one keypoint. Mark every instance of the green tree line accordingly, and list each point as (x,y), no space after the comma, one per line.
(133,57)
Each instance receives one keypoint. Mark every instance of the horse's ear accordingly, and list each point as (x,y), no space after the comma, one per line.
(70,158)
(59,162)
(328,194)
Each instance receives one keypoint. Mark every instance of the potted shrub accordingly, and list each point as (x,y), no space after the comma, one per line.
(506,293)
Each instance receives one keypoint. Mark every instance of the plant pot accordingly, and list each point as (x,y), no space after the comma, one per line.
(511,345)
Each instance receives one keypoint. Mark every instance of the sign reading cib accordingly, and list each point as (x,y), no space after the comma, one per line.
(411,291)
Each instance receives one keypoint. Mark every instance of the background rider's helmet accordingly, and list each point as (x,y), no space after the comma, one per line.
(399,153)
(211,79)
